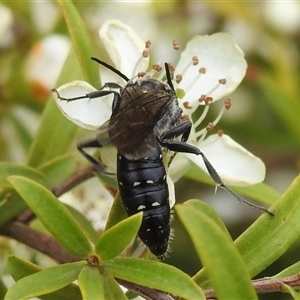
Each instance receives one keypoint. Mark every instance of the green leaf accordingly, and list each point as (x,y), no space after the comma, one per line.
(114,240)
(209,212)
(7,169)
(53,214)
(55,133)
(84,223)
(216,251)
(268,238)
(154,275)
(260,192)
(11,202)
(53,138)
(288,110)
(117,212)
(23,134)
(11,206)
(94,285)
(3,289)
(291,270)
(81,41)
(59,168)
(287,289)
(46,281)
(19,268)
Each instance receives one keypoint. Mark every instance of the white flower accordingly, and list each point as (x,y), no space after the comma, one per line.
(6,27)
(209,69)
(45,61)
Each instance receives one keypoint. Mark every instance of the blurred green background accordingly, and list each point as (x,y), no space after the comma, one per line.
(265,113)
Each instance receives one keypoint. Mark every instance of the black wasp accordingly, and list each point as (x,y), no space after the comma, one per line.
(145,119)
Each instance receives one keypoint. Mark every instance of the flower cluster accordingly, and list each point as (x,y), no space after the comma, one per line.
(209,69)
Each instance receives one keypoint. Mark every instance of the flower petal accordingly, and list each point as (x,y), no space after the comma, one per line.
(179,166)
(235,165)
(45,61)
(124,47)
(87,113)
(171,188)
(6,26)
(219,58)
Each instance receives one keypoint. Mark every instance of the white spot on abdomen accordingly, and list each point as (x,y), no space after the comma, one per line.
(141,207)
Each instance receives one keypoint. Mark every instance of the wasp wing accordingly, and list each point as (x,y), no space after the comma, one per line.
(132,123)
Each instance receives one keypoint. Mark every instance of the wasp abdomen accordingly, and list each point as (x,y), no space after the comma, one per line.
(143,187)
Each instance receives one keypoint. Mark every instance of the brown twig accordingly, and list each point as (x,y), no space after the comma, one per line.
(145,292)
(36,240)
(76,178)
(266,285)
(271,285)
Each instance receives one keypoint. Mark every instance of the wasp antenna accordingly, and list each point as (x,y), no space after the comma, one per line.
(108,66)
(169,79)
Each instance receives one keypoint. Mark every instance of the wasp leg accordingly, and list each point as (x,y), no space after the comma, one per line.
(178,146)
(97,164)
(96,94)
(183,129)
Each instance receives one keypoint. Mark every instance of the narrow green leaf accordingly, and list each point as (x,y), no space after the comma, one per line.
(54,136)
(11,202)
(24,137)
(3,289)
(19,268)
(288,110)
(154,275)
(11,205)
(112,289)
(81,41)
(114,240)
(84,223)
(7,169)
(217,253)
(59,168)
(55,133)
(209,212)
(46,281)
(53,214)
(94,285)
(90,283)
(260,192)
(287,289)
(117,213)
(291,270)
(268,238)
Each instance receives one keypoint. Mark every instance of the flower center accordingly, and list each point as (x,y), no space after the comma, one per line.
(201,134)
(157,71)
